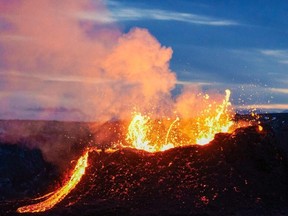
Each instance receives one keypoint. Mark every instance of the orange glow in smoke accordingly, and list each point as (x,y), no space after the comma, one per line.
(260,128)
(145,134)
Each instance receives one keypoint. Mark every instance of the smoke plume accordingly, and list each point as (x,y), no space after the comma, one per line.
(56,65)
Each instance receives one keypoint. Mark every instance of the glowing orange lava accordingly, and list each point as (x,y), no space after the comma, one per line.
(145,133)
(260,128)
(214,121)
(153,135)
(61,193)
(140,134)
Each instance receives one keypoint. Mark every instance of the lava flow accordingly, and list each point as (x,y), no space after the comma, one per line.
(153,135)
(61,193)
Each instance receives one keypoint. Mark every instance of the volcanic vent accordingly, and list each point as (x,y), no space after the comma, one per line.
(234,173)
(150,151)
(150,135)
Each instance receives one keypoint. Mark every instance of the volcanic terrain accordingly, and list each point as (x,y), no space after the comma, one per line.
(242,173)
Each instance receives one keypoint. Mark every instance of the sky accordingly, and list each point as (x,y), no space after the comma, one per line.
(77,61)
(240,45)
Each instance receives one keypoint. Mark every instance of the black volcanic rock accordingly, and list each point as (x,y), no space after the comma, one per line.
(23,172)
(239,173)
(243,173)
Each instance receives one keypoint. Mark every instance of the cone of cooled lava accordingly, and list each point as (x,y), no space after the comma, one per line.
(244,172)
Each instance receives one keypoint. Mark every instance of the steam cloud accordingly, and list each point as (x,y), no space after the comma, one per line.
(55,65)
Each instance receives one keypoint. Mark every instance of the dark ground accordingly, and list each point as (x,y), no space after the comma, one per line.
(244,173)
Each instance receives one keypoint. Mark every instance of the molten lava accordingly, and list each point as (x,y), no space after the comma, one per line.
(140,134)
(214,121)
(61,193)
(153,135)
(146,134)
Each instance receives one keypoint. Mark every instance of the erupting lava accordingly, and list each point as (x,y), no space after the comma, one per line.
(115,73)
(155,135)
(140,132)
(214,121)
(151,135)
(61,193)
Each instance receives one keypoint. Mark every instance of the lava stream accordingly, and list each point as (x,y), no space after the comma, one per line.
(62,192)
(152,135)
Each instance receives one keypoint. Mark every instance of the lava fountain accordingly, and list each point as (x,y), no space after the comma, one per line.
(214,121)
(115,73)
(158,135)
(150,135)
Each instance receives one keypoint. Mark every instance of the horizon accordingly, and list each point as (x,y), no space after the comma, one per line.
(208,46)
(241,113)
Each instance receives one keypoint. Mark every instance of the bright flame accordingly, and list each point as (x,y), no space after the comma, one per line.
(167,135)
(140,134)
(201,130)
(260,128)
(137,133)
(216,121)
(62,192)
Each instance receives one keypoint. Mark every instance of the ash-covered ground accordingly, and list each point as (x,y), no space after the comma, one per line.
(244,173)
